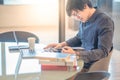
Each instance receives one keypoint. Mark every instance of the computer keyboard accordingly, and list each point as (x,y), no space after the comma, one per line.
(18,47)
(52,50)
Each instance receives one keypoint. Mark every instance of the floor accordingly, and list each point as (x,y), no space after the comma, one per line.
(114,63)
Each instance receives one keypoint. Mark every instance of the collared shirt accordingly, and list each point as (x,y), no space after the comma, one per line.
(96,36)
(94,3)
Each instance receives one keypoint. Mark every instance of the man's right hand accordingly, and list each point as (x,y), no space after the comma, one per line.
(54,45)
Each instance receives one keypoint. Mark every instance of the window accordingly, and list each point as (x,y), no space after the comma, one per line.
(42,19)
(0,62)
(12,2)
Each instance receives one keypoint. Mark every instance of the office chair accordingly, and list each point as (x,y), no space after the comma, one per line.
(21,36)
(102,64)
(98,66)
(92,76)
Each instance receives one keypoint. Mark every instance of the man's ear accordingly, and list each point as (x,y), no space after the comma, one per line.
(85,6)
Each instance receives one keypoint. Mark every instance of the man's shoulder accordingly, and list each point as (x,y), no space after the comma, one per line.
(102,15)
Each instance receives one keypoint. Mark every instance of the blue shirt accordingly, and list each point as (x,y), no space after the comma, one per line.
(96,36)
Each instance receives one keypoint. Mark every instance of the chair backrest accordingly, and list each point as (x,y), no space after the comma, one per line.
(21,36)
(92,75)
(102,64)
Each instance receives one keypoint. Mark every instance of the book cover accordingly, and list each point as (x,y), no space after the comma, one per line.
(46,67)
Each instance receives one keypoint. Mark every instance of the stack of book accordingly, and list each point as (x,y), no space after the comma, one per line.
(53,67)
(61,65)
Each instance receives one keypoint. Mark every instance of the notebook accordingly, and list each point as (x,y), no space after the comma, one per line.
(17,47)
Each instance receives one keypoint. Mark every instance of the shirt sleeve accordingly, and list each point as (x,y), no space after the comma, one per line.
(75,41)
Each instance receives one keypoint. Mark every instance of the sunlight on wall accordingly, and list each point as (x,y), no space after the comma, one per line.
(47,12)
(44,13)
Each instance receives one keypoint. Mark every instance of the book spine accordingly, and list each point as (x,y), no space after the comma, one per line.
(58,68)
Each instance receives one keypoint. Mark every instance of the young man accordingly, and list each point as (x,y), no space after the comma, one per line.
(95,33)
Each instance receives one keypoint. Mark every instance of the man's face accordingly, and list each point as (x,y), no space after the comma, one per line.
(82,16)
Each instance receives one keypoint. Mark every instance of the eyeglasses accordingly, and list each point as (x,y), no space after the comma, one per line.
(75,14)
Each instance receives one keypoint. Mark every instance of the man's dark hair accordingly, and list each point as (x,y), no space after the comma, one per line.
(76,5)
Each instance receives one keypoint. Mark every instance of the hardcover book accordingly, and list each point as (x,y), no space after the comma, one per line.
(46,67)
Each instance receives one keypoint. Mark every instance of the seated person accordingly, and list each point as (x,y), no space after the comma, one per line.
(95,33)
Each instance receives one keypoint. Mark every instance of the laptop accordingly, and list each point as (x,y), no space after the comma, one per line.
(17,47)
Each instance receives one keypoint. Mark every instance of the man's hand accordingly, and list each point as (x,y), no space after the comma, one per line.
(68,50)
(56,45)
(52,45)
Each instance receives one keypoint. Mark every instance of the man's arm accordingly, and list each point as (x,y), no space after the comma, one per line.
(74,42)
(105,37)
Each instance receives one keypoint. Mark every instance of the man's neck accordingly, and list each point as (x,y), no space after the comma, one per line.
(92,11)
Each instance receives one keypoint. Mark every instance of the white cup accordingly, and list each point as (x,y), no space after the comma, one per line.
(31,42)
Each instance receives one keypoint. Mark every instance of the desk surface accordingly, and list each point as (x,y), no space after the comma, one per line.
(46,75)
(59,58)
